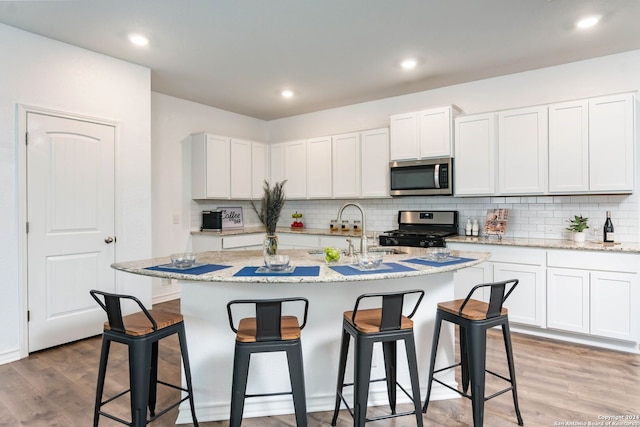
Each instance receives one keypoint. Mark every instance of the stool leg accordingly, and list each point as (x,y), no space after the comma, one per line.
(362,376)
(239,385)
(102,370)
(464,358)
(434,351)
(512,371)
(296,376)
(410,347)
(139,375)
(182,337)
(153,379)
(477,345)
(389,349)
(344,350)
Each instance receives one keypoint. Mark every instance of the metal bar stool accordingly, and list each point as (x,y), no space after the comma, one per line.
(473,318)
(268,331)
(140,332)
(386,325)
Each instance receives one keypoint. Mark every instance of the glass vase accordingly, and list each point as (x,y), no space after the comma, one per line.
(270,246)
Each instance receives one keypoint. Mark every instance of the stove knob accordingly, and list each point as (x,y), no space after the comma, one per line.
(394,241)
(423,243)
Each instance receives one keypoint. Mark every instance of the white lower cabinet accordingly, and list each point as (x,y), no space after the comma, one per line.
(526,304)
(568,300)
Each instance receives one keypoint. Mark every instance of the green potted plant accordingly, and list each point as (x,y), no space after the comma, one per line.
(577,225)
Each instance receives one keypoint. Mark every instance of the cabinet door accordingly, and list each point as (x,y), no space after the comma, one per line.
(277,170)
(210,156)
(259,168)
(346,165)
(319,167)
(474,166)
(569,147)
(464,280)
(404,137)
(522,151)
(375,163)
(241,179)
(295,165)
(568,300)
(527,303)
(614,305)
(611,127)
(435,131)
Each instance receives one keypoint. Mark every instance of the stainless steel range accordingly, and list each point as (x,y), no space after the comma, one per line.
(422,229)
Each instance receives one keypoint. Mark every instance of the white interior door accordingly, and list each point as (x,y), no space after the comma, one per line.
(70,213)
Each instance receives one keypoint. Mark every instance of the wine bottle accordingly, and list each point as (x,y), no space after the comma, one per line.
(608,229)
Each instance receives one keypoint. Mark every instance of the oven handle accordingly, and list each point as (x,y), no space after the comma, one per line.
(436,175)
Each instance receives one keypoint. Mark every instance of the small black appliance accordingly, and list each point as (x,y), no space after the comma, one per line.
(212,220)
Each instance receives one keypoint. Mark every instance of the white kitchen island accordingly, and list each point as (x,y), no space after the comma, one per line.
(211,342)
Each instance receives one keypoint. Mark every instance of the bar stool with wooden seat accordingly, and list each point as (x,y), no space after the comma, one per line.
(268,331)
(473,318)
(140,332)
(386,325)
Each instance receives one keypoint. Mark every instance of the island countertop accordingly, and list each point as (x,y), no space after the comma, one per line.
(236,260)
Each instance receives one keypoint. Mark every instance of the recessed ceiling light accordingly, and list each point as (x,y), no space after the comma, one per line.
(409,64)
(588,22)
(287,93)
(138,39)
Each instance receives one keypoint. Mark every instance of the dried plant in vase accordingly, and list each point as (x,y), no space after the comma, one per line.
(273,200)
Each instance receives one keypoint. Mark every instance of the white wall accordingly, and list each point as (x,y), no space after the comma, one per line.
(172,121)
(40,72)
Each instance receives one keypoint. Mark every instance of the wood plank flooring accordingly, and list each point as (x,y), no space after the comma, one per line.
(557,383)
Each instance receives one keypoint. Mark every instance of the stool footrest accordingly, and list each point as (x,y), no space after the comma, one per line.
(281,393)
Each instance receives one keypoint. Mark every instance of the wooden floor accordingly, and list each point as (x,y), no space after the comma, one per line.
(557,383)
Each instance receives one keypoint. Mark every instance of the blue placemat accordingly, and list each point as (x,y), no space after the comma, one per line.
(297,271)
(197,269)
(386,267)
(431,263)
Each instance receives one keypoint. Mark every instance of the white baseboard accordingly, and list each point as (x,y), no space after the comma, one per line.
(9,356)
(157,299)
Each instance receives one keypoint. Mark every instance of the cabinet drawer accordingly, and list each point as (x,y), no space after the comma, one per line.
(232,242)
(298,240)
(587,260)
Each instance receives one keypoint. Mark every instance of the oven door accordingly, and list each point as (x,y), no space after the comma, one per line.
(421,177)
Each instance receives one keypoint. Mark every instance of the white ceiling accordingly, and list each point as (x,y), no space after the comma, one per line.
(238,55)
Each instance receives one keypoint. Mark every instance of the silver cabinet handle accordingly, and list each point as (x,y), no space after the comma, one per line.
(109,239)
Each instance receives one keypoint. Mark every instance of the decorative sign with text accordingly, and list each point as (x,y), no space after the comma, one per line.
(231,218)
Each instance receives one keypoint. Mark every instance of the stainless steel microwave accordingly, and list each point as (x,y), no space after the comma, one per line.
(427,177)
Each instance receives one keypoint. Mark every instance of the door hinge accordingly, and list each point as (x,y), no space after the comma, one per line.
(27,227)
(28,315)
(26,138)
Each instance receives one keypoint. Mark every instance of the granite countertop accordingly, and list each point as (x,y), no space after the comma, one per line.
(299,257)
(548,244)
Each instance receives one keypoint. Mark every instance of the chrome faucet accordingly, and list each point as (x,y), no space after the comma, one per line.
(363,236)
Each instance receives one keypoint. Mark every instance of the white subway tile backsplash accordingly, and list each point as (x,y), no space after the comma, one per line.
(529,216)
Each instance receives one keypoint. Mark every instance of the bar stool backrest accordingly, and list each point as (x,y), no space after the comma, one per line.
(112,305)
(496,298)
(268,313)
(392,306)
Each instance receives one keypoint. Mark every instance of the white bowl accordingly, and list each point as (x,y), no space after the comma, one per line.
(276,262)
(369,261)
(183,260)
(439,254)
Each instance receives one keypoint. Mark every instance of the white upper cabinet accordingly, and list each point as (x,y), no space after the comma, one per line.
(422,134)
(591,145)
(522,151)
(276,163)
(474,166)
(374,147)
(346,165)
(241,165)
(319,167)
(295,166)
(259,168)
(210,172)
(569,147)
(611,141)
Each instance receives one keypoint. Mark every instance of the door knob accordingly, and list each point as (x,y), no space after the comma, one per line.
(109,239)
